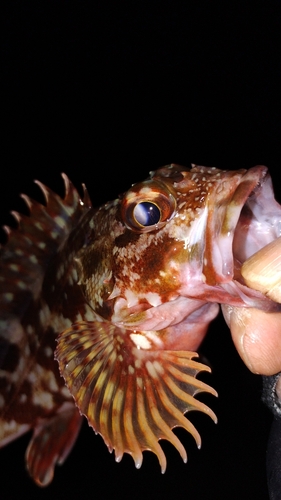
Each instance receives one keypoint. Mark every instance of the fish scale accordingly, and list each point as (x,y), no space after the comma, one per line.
(102,310)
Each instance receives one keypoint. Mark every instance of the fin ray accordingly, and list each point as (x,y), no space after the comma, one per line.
(130,395)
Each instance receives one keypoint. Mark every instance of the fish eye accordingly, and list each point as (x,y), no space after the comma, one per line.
(148,206)
(147,213)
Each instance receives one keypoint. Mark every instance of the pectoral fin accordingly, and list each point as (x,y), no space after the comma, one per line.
(131,390)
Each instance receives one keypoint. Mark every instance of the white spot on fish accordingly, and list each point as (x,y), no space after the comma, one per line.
(44,315)
(59,221)
(89,314)
(137,364)
(60,323)
(151,369)
(32,377)
(39,226)
(33,259)
(48,352)
(27,351)
(154,299)
(43,399)
(51,381)
(14,267)
(60,272)
(139,382)
(8,430)
(12,330)
(21,285)
(159,368)
(8,296)
(65,392)
(155,339)
(30,329)
(140,341)
(23,398)
(74,274)
(131,370)
(19,252)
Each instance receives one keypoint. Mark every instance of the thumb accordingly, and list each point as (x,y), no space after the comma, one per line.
(262,271)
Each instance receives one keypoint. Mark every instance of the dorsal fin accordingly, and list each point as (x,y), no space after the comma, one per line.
(29,248)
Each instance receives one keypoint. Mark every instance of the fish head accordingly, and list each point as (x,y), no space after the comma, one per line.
(180,233)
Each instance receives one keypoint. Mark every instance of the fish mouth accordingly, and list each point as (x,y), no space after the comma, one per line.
(243,218)
(259,221)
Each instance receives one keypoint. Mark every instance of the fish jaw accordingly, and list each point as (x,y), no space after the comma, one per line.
(180,322)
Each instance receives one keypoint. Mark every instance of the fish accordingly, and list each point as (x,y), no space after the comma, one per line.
(103,310)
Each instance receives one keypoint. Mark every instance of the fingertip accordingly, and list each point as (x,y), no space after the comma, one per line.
(262,271)
(256,336)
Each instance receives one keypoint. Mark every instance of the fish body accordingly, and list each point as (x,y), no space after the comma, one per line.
(102,310)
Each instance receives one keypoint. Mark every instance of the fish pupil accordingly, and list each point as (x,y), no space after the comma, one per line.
(147,213)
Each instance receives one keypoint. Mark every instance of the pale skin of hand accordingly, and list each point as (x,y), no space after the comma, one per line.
(257,334)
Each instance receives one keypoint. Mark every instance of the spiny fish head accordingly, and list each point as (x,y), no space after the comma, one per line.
(171,232)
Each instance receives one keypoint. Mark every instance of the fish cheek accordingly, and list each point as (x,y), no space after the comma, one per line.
(144,265)
(161,267)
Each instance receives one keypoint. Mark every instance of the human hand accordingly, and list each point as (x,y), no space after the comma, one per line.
(257,334)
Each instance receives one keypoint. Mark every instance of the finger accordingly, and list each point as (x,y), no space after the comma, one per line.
(262,271)
(257,338)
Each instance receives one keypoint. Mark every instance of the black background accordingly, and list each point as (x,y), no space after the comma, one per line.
(106,92)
